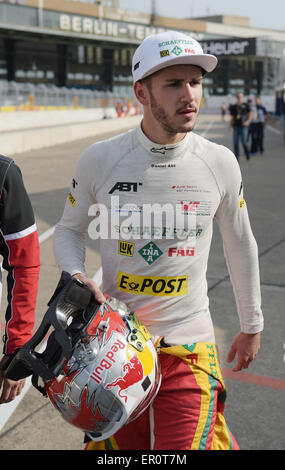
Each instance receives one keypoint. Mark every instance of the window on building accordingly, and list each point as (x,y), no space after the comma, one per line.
(124,57)
(81,54)
(3,67)
(90,54)
(34,61)
(99,55)
(116,57)
(3,70)
(50,74)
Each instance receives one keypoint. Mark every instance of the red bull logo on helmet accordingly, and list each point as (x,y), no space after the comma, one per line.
(108,360)
(133,373)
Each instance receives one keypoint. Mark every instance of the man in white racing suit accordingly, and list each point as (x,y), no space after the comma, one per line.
(154,192)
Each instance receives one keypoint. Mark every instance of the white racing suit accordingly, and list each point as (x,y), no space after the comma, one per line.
(157,265)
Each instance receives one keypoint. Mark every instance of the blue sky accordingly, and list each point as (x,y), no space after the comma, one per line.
(263,14)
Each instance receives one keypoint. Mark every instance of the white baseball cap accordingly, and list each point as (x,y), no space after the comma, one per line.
(169,48)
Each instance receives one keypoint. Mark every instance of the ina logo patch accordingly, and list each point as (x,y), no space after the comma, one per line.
(150,252)
(177,50)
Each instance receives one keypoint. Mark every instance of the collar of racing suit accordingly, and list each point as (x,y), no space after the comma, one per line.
(160,150)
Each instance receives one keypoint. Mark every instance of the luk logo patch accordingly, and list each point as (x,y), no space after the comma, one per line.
(150,252)
(154,286)
(72,200)
(126,248)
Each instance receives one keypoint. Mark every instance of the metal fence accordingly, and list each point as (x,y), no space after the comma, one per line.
(27,96)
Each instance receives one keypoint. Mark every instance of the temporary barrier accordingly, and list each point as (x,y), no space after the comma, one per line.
(16,96)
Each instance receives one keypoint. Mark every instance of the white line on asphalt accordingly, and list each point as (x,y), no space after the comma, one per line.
(47,234)
(7,409)
(205,131)
(275,131)
(98,277)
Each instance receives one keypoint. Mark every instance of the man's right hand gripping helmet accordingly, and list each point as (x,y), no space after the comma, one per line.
(99,366)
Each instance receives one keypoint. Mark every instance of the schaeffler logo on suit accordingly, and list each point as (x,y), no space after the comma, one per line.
(118,220)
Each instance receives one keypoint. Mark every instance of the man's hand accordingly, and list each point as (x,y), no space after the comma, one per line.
(9,389)
(246,347)
(98,294)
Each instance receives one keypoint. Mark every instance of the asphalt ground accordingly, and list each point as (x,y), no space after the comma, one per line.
(255,410)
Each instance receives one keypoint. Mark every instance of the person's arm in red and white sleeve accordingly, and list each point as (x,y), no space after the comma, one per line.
(19,247)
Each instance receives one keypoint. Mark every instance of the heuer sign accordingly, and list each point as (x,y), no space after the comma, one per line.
(225,47)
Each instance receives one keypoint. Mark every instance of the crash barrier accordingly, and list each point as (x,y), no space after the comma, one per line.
(37,116)
(28,131)
(16,96)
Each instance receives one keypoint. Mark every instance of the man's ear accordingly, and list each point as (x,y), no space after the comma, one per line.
(141,93)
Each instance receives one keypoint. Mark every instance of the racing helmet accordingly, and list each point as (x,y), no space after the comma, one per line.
(100,367)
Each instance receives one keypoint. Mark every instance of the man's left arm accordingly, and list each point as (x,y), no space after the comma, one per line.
(241,253)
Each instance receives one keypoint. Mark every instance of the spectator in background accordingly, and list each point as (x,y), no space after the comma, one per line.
(260,118)
(223,111)
(252,107)
(241,116)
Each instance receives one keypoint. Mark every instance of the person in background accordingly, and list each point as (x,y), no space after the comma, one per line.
(223,111)
(252,108)
(259,121)
(241,116)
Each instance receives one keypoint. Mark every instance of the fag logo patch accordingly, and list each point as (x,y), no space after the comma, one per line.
(152,285)
(181,251)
